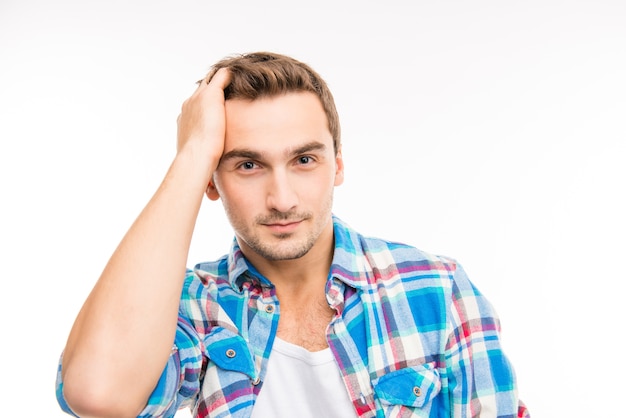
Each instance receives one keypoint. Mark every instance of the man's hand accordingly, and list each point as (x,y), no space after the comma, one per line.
(201,124)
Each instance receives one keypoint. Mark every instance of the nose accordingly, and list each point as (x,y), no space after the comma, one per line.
(281,192)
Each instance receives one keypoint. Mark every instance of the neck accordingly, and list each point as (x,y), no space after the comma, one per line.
(301,290)
(303,276)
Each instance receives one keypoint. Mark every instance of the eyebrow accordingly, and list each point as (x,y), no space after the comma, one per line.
(308,147)
(246,153)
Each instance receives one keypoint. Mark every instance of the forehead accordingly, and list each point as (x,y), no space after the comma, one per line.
(276,123)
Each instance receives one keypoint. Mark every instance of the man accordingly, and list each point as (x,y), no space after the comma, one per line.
(304,316)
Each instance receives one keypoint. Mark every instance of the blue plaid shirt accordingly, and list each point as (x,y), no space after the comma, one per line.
(412,337)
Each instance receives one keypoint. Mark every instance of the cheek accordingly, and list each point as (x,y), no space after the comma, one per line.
(241,196)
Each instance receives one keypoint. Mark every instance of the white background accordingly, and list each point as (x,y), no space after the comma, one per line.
(490,131)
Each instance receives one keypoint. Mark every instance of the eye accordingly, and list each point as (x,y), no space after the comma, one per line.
(247,165)
(305,159)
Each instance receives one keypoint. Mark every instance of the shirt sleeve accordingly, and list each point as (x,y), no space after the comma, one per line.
(481,378)
(59,391)
(179,384)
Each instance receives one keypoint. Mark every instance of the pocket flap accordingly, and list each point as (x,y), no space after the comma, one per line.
(229,351)
(412,386)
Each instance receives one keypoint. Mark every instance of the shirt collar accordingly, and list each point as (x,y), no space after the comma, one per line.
(350,262)
(240,270)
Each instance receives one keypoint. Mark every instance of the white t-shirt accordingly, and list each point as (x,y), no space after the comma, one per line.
(303,384)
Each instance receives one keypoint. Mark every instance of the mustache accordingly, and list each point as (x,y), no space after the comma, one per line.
(275,217)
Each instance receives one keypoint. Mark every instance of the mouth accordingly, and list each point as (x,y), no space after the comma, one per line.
(283,227)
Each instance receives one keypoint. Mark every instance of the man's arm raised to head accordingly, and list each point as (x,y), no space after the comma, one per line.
(122,336)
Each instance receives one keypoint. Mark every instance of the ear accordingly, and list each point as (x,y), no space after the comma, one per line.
(338,168)
(211,191)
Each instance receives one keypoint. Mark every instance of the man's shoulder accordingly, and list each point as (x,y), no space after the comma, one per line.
(218,267)
(369,256)
(209,275)
(405,258)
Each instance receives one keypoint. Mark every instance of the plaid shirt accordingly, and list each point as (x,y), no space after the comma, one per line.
(412,337)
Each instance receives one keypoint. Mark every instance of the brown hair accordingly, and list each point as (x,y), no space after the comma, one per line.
(262,74)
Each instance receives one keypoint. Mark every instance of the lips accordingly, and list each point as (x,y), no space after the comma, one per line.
(283,227)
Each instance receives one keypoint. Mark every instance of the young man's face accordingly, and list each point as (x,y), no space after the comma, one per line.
(277,175)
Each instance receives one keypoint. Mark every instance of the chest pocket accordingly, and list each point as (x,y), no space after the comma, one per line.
(229,351)
(229,375)
(413,386)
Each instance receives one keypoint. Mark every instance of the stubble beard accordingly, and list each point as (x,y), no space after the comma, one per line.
(283,246)
(283,250)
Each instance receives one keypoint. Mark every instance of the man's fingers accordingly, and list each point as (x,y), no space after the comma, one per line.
(202,116)
(221,79)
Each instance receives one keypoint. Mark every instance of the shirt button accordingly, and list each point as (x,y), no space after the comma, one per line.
(417,391)
(269,309)
(256,381)
(230,353)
